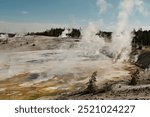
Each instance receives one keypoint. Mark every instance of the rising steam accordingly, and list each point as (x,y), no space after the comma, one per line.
(90,41)
(122,37)
(65,32)
(120,47)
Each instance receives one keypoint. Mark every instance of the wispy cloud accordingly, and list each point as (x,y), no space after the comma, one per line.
(141,7)
(24,12)
(103,5)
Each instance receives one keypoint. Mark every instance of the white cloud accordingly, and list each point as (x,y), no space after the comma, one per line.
(24,12)
(103,5)
(140,6)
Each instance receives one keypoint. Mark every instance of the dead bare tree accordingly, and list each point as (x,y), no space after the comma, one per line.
(91,86)
(134,78)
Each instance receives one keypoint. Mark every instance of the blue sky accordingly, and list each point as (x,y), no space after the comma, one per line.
(63,12)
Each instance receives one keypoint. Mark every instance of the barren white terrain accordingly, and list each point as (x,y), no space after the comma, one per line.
(52,66)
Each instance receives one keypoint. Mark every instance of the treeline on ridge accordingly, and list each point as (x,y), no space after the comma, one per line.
(140,38)
(56,32)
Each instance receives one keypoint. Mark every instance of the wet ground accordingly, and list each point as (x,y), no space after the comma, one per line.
(55,66)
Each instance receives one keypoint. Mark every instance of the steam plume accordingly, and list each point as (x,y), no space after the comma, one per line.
(92,43)
(103,5)
(121,38)
(65,32)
